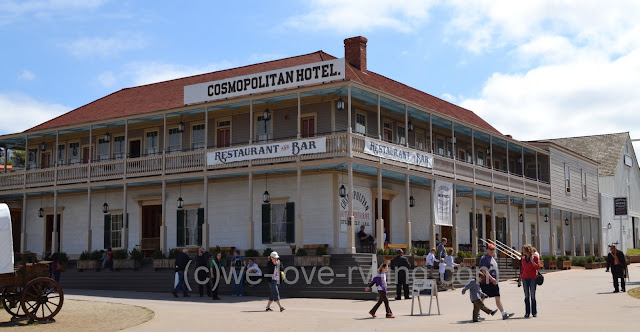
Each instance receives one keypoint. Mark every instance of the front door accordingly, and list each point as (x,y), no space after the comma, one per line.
(487,225)
(85,155)
(386,213)
(16,227)
(224,137)
(45,160)
(49,233)
(135,148)
(445,232)
(151,222)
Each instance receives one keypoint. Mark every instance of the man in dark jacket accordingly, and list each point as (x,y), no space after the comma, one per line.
(401,266)
(618,264)
(181,264)
(203,260)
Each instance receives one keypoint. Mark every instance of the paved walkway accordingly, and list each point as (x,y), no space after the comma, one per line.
(573,299)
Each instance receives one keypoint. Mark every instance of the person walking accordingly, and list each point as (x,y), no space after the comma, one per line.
(529,266)
(618,265)
(477,296)
(215,271)
(237,264)
(442,250)
(401,266)
(274,271)
(181,264)
(451,265)
(431,261)
(380,280)
(489,281)
(202,260)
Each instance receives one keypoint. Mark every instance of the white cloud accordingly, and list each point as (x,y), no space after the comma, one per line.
(140,73)
(26,75)
(11,11)
(104,47)
(21,112)
(107,79)
(258,58)
(359,16)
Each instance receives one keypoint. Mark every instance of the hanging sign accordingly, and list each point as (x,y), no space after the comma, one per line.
(274,150)
(443,202)
(396,153)
(620,206)
(291,77)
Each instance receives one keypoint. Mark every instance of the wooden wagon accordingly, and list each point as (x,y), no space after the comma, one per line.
(29,292)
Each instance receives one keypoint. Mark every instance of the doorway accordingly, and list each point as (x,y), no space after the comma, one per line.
(385,216)
(445,232)
(488,225)
(135,148)
(150,233)
(16,227)
(49,233)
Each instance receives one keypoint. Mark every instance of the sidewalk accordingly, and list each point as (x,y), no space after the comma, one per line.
(572,299)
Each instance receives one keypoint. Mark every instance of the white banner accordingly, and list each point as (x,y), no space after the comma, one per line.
(361,210)
(396,153)
(443,202)
(274,150)
(312,73)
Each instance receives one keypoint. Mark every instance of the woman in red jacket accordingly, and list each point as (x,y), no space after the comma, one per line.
(529,265)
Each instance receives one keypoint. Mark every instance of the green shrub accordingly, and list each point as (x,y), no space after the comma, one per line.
(546,258)
(96,255)
(136,255)
(158,254)
(301,252)
(600,259)
(380,252)
(173,253)
(560,258)
(63,257)
(589,259)
(251,253)
(267,251)
(85,256)
(120,254)
(421,252)
(321,251)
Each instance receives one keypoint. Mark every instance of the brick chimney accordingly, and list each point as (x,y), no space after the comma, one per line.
(355,52)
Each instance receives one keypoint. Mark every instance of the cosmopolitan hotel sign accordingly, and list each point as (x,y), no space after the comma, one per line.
(313,73)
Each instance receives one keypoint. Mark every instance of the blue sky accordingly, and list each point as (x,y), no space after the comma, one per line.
(535,70)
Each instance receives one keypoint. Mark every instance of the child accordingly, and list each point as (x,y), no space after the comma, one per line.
(380,281)
(450,266)
(442,266)
(476,295)
(431,261)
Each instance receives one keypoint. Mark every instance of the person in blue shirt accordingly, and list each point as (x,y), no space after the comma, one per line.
(489,280)
(476,296)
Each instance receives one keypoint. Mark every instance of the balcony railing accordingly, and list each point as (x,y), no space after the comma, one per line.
(337,145)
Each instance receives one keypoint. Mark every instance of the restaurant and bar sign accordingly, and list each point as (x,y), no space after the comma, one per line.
(263,151)
(392,152)
(313,73)
(620,206)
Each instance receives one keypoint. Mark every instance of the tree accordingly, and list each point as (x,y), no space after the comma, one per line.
(17,156)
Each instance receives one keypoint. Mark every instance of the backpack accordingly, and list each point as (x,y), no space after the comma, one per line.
(237,262)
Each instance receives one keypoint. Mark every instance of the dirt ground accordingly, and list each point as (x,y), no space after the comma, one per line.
(84,316)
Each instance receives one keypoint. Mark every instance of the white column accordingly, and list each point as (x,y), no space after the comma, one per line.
(351,249)
(474,230)
(23,231)
(408,211)
(582,253)
(509,242)
(493,216)
(524,221)
(552,235)
(573,235)
(125,217)
(250,227)
(538,241)
(432,215)
(379,229)
(89,236)
(54,235)
(205,206)
(454,221)
(299,240)
(591,244)
(163,227)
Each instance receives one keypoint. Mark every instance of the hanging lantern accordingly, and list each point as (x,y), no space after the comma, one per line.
(181,125)
(105,208)
(43,146)
(266,198)
(266,116)
(107,137)
(546,218)
(412,201)
(41,213)
(342,191)
(180,203)
(340,104)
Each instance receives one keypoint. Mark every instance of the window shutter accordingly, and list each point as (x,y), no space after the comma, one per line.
(200,223)
(180,229)
(107,231)
(266,223)
(291,222)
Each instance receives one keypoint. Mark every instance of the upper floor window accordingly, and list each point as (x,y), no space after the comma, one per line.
(480,159)
(118,147)
(32,159)
(567,178)
(61,155)
(74,153)
(151,143)
(387,132)
(103,149)
(361,123)
(224,133)
(420,140)
(197,137)
(263,129)
(402,138)
(174,140)
(308,126)
(584,184)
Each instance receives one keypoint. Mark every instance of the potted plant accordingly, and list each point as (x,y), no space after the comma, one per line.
(420,258)
(590,263)
(302,258)
(63,258)
(121,260)
(550,262)
(564,262)
(467,259)
(137,257)
(89,261)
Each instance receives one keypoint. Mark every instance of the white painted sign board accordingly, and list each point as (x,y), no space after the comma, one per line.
(424,284)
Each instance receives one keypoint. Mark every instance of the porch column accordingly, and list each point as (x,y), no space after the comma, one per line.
(205,222)
(509,242)
(163,227)
(493,216)
(379,118)
(524,221)
(591,244)
(299,234)
(552,235)
(408,209)
(573,235)
(537,240)
(351,249)
(432,213)
(54,234)
(474,217)
(582,235)
(380,221)
(561,235)
(6,156)
(454,221)
(23,231)
(250,227)
(299,122)
(89,236)
(125,217)
(126,150)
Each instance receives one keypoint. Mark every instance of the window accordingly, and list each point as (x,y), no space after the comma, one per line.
(440,146)
(278,223)
(174,140)
(533,233)
(584,183)
(308,126)
(462,155)
(387,132)
(117,225)
(74,153)
(263,130)
(151,143)
(480,159)
(197,137)
(191,227)
(32,159)
(118,147)
(420,140)
(103,149)
(361,124)
(449,148)
(61,155)
(224,133)
(401,136)
(567,178)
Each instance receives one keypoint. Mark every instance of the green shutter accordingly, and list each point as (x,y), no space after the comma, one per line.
(107,231)
(266,223)
(291,222)
(180,229)
(200,223)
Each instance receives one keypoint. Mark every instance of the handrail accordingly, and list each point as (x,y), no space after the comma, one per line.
(503,248)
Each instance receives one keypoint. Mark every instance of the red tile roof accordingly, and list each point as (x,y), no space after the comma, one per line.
(169,94)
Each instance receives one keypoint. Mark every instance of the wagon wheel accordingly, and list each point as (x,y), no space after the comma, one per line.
(42,299)
(11,300)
